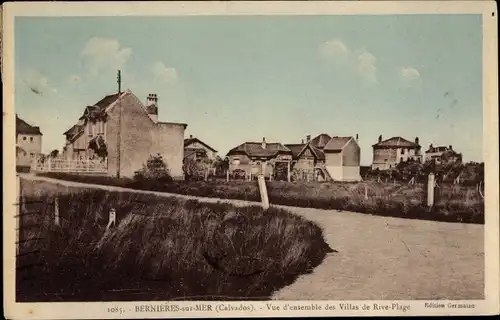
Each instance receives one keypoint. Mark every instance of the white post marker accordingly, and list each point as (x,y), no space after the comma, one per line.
(56,211)
(227,175)
(18,211)
(263,191)
(289,178)
(112,218)
(430,190)
(366,192)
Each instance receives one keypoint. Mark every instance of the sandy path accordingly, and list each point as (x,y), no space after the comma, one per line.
(379,258)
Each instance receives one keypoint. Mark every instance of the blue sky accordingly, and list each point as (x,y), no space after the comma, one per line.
(240,78)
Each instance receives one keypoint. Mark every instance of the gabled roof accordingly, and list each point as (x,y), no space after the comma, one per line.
(254,149)
(76,126)
(296,148)
(299,149)
(318,153)
(102,104)
(396,142)
(337,143)
(320,141)
(22,127)
(189,141)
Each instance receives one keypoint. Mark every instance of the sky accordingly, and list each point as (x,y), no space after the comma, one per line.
(241,78)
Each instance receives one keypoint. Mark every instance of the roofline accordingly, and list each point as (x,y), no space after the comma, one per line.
(416,146)
(343,146)
(312,149)
(173,123)
(231,152)
(203,143)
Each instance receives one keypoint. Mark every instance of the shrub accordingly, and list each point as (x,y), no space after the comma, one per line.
(193,170)
(155,170)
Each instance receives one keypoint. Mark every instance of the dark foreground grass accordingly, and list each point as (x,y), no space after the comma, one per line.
(160,249)
(453,203)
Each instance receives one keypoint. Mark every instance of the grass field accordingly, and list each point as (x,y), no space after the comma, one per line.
(453,203)
(160,249)
(378,258)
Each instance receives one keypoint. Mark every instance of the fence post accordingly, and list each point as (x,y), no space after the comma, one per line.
(227,175)
(18,211)
(479,186)
(263,191)
(112,218)
(366,192)
(56,211)
(288,172)
(430,190)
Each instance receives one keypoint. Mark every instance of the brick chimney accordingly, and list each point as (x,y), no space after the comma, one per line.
(357,137)
(302,141)
(379,138)
(264,143)
(308,138)
(416,140)
(152,106)
(190,136)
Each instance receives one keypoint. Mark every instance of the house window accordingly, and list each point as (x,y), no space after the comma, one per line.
(24,138)
(32,154)
(100,127)
(236,161)
(31,139)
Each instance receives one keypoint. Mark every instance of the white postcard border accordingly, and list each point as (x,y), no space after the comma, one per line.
(112,310)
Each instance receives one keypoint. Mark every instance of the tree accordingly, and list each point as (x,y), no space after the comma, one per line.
(221,166)
(99,146)
(54,153)
(155,169)
(192,168)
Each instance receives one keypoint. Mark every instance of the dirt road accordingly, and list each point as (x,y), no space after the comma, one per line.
(379,258)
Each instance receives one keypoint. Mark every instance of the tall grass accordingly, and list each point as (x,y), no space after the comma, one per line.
(453,203)
(160,249)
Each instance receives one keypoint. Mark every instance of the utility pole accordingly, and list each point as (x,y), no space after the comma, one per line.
(118,142)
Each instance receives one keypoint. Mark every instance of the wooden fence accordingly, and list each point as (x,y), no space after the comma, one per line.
(71,166)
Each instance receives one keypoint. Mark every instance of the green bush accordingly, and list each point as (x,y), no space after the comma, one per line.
(155,170)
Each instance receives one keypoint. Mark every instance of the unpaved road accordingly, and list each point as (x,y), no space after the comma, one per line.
(379,258)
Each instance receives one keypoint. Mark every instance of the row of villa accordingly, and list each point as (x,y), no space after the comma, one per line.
(95,136)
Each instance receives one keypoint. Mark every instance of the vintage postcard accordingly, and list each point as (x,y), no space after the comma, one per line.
(228,159)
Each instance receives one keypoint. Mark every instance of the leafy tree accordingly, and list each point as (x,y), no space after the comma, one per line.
(99,146)
(193,169)
(54,153)
(155,169)
(221,166)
